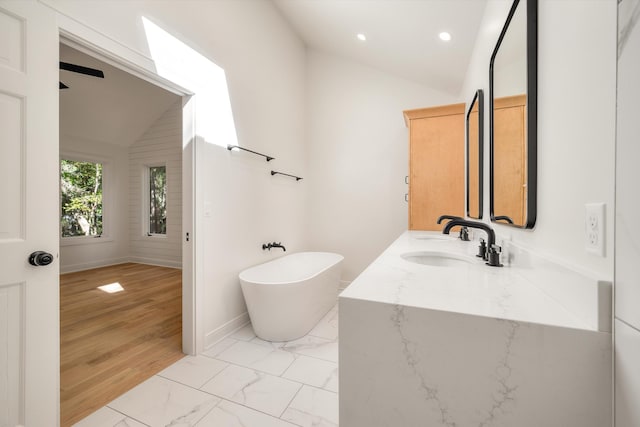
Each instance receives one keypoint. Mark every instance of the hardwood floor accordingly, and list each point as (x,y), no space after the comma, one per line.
(110,342)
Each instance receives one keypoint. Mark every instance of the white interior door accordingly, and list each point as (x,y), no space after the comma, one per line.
(29,303)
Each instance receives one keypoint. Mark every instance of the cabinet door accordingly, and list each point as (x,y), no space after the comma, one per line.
(436,169)
(509,172)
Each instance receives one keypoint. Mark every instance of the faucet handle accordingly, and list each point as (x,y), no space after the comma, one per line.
(482,249)
(464,234)
(494,256)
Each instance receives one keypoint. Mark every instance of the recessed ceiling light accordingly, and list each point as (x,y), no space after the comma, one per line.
(444,36)
(361,37)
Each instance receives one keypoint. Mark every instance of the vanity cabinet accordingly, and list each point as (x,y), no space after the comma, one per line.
(467,345)
(436,164)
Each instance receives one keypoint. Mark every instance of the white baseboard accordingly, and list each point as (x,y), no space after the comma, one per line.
(158,262)
(225,330)
(93,264)
(115,261)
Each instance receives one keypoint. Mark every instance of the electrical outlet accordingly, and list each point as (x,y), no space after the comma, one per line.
(594,227)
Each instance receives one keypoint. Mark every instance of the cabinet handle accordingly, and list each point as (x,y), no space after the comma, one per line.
(406,197)
(406,179)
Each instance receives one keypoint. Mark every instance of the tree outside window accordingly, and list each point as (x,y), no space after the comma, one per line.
(81,198)
(158,200)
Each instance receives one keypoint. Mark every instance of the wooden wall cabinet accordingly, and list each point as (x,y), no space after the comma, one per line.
(436,164)
(510,163)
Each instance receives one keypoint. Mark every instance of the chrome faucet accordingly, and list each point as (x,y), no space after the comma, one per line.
(492,255)
(464,231)
(273,245)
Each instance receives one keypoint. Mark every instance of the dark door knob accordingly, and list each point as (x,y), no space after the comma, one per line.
(40,258)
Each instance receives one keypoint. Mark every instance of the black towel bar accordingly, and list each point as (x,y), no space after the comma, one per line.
(285,174)
(231,147)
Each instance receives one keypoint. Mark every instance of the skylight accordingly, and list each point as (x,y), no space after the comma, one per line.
(179,63)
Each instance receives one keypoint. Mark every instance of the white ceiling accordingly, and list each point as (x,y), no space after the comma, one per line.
(402,39)
(402,35)
(117,109)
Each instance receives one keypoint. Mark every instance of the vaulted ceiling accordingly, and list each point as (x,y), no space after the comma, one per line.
(402,39)
(401,35)
(117,109)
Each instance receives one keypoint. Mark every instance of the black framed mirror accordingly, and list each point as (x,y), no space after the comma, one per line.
(513,118)
(475,147)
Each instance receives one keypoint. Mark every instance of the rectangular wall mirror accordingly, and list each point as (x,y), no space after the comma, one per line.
(513,118)
(474,133)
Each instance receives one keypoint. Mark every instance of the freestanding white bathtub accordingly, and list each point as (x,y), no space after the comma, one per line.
(286,297)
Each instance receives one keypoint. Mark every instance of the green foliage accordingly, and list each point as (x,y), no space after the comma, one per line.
(81,198)
(158,200)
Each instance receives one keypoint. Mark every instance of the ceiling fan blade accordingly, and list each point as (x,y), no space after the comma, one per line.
(82,70)
(63,86)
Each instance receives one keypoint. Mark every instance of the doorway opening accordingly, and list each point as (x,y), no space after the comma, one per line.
(125,206)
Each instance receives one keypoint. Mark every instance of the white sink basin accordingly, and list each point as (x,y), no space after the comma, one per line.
(438,259)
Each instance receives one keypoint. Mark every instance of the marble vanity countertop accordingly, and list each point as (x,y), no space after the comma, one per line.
(473,288)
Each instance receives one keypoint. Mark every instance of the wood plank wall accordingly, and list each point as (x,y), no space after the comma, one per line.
(161,144)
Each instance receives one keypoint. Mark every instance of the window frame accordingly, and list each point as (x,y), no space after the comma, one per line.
(107,200)
(146,199)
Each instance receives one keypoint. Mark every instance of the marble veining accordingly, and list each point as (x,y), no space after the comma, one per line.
(228,414)
(269,360)
(267,393)
(313,407)
(412,360)
(506,392)
(316,372)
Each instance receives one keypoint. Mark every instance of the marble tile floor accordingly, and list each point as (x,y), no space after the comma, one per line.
(242,381)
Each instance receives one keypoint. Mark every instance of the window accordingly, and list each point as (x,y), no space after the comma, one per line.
(81,198)
(157,200)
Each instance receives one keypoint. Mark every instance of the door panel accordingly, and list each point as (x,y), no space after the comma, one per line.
(12,168)
(29,308)
(12,36)
(11,359)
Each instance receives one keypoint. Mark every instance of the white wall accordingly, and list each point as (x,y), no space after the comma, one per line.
(576,124)
(160,145)
(627,270)
(113,247)
(239,205)
(358,157)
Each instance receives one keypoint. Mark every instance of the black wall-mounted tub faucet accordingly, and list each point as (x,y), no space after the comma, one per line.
(273,245)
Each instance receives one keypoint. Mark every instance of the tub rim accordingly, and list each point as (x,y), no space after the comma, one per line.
(338,260)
